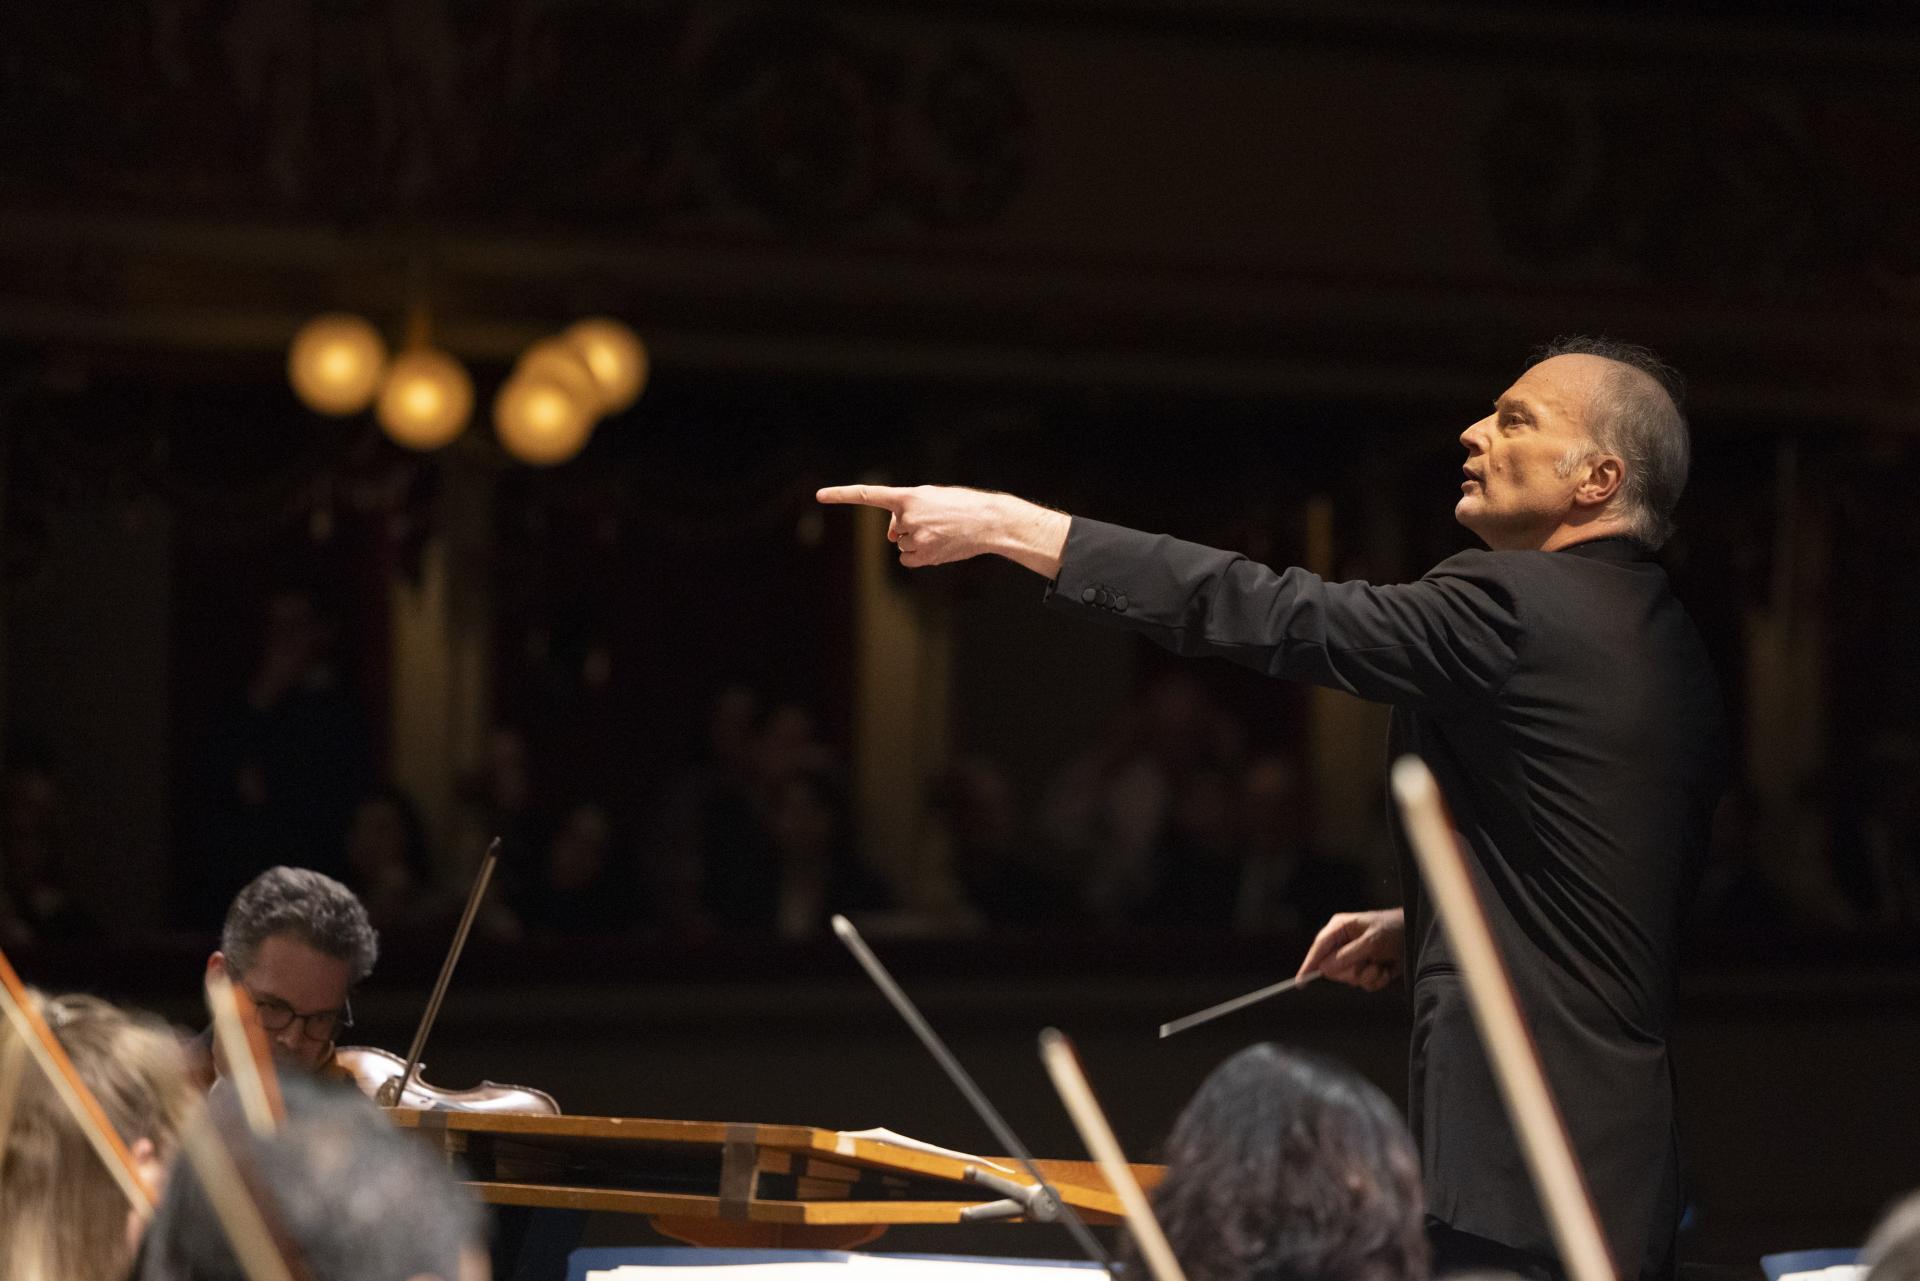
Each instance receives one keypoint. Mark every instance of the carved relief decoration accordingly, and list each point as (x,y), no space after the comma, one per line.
(584,111)
(1744,191)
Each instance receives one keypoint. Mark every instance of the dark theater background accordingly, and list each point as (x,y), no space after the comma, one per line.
(1233,270)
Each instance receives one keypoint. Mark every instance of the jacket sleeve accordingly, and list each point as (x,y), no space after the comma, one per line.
(1446,642)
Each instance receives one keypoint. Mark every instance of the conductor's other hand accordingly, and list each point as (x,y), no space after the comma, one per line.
(939,524)
(1361,948)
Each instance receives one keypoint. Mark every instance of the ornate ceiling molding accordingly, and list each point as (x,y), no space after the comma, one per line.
(1245,201)
(587,113)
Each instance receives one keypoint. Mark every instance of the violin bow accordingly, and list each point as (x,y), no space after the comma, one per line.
(242,1046)
(964,1082)
(1496,1010)
(395,1089)
(239,1213)
(45,1048)
(261,1245)
(1070,1080)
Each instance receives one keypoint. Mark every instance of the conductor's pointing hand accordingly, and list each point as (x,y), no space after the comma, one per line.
(939,524)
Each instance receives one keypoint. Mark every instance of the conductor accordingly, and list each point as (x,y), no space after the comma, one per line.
(1567,708)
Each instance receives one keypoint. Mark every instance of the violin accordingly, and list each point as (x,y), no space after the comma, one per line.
(378,1072)
(394,1082)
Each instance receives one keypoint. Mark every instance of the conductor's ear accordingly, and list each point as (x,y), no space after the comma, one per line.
(1605,475)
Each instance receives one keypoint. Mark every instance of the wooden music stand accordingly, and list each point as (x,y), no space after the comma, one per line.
(743,1186)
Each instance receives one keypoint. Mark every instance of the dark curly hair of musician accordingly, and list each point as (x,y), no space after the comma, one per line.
(351,1195)
(312,907)
(1288,1167)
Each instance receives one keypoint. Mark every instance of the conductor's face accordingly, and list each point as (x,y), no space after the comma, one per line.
(1521,477)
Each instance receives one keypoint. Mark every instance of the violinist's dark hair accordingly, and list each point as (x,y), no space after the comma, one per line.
(314,908)
(359,1199)
(1287,1167)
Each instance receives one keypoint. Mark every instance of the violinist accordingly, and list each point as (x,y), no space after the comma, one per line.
(61,1212)
(298,942)
(1287,1165)
(356,1200)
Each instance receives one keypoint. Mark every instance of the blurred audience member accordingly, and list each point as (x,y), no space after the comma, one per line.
(389,868)
(1893,1251)
(1196,859)
(1817,858)
(756,836)
(987,848)
(790,745)
(1285,885)
(581,884)
(809,870)
(61,1214)
(1107,810)
(285,766)
(707,827)
(500,800)
(35,906)
(356,1198)
(1877,841)
(812,841)
(1285,1167)
(1735,891)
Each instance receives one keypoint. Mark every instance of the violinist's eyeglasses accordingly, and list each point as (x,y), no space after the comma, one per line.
(321,1025)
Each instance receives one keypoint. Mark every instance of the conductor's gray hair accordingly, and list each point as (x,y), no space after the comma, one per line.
(1635,414)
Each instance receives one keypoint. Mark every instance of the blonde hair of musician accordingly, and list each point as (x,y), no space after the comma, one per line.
(64,1216)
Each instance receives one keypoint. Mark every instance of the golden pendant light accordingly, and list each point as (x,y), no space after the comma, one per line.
(335,363)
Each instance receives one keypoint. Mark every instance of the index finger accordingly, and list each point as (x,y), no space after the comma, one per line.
(887,496)
(1332,936)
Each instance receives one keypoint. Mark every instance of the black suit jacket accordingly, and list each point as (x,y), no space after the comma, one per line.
(1568,710)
